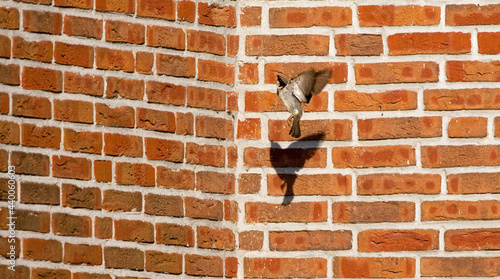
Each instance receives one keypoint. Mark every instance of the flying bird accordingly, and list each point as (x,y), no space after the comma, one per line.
(300,89)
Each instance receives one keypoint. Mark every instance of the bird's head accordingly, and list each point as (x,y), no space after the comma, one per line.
(281,83)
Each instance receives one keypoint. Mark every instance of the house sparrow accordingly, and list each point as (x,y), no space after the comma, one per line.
(300,89)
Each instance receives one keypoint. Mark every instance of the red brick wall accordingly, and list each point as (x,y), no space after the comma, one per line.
(147,139)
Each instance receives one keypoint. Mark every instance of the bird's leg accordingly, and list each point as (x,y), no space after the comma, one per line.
(290,119)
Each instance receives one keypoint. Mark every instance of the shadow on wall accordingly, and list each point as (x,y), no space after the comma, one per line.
(288,161)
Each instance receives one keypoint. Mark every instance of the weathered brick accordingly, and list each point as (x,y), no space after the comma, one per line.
(174,234)
(176,179)
(125,32)
(161,149)
(275,45)
(83,27)
(373,267)
(472,14)
(290,157)
(395,183)
(285,267)
(379,240)
(205,41)
(473,183)
(214,14)
(32,50)
(449,210)
(358,44)
(167,37)
(135,174)
(302,212)
(87,142)
(158,9)
(429,43)
(398,15)
(373,212)
(289,17)
(402,127)
(453,155)
(396,72)
(373,156)
(309,240)
(309,184)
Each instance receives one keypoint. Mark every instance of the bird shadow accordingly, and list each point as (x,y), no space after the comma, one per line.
(288,161)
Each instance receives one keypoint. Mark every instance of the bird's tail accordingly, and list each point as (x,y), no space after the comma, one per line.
(295,130)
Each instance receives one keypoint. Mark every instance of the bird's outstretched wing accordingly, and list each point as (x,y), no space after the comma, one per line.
(310,84)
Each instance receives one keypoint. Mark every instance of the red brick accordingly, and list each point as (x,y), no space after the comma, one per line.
(125,88)
(162,205)
(473,183)
(10,74)
(164,262)
(73,111)
(165,93)
(173,65)
(44,136)
(459,99)
(251,16)
(42,22)
(128,258)
(88,142)
(4,103)
(472,14)
(460,210)
(211,238)
(175,179)
(290,157)
(472,239)
(309,240)
(102,171)
(285,267)
(301,212)
(231,211)
(216,15)
(123,116)
(157,120)
(42,79)
(289,17)
(460,266)
(209,155)
(38,193)
(251,240)
(42,249)
(85,4)
(5,249)
(32,50)
(400,15)
(248,73)
(358,44)
(472,70)
(82,254)
(83,84)
(205,41)
(233,45)
(86,275)
(144,62)
(287,45)
(203,265)
(166,150)
(124,32)
(308,184)
(396,183)
(185,123)
(135,174)
(174,234)
(10,132)
(214,182)
(249,183)
(164,9)
(30,163)
(460,155)
(121,201)
(468,127)
(114,59)
(78,55)
(209,70)
(132,230)
(231,267)
(5,48)
(71,167)
(36,221)
(398,240)
(373,156)
(429,43)
(10,18)
(249,128)
(402,127)
(396,72)
(212,127)
(120,6)
(186,10)
(325,129)
(203,209)
(71,225)
(41,273)
(269,101)
(201,97)
(167,37)
(85,197)
(83,27)
(291,69)
(373,212)
(488,42)
(373,267)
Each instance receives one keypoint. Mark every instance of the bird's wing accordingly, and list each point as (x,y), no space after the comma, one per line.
(305,82)
(321,79)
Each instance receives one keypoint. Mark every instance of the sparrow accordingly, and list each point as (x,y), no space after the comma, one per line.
(300,89)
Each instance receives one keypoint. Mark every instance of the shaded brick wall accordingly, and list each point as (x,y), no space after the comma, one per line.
(148,141)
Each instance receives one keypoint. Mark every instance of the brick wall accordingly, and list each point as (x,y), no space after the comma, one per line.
(148,141)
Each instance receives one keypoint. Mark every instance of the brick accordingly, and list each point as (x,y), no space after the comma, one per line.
(231,211)
(251,16)
(402,127)
(203,209)
(5,249)
(167,37)
(83,84)
(301,212)
(309,240)
(453,155)
(209,70)
(132,230)
(36,221)
(71,167)
(156,120)
(144,62)
(177,66)
(472,183)
(176,179)
(472,239)
(396,183)
(285,267)
(251,240)
(459,266)
(4,103)
(358,44)
(42,79)
(201,97)
(86,4)
(42,249)
(373,212)
(248,73)
(471,14)
(231,267)
(10,132)
(102,171)
(460,210)
(78,55)
(212,127)
(396,72)
(313,184)
(82,254)
(30,163)
(41,2)
(214,182)
(123,116)
(162,205)
(174,234)
(290,157)
(10,74)
(373,156)
(400,15)
(209,155)
(165,93)
(167,150)
(4,158)
(488,42)
(71,225)
(40,273)
(291,69)
(186,10)
(261,101)
(289,17)
(185,123)
(87,142)
(249,128)
(125,32)
(135,174)
(86,275)
(222,239)
(163,262)
(73,111)
(125,88)
(324,129)
(233,45)
(216,15)
(373,267)
(118,200)
(275,45)
(156,8)
(114,59)
(429,43)
(472,71)
(459,99)
(249,183)
(32,50)
(10,18)
(398,240)
(125,258)
(119,6)
(81,197)
(468,127)
(83,27)
(32,135)
(5,47)
(40,193)
(205,41)
(42,22)
(203,265)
